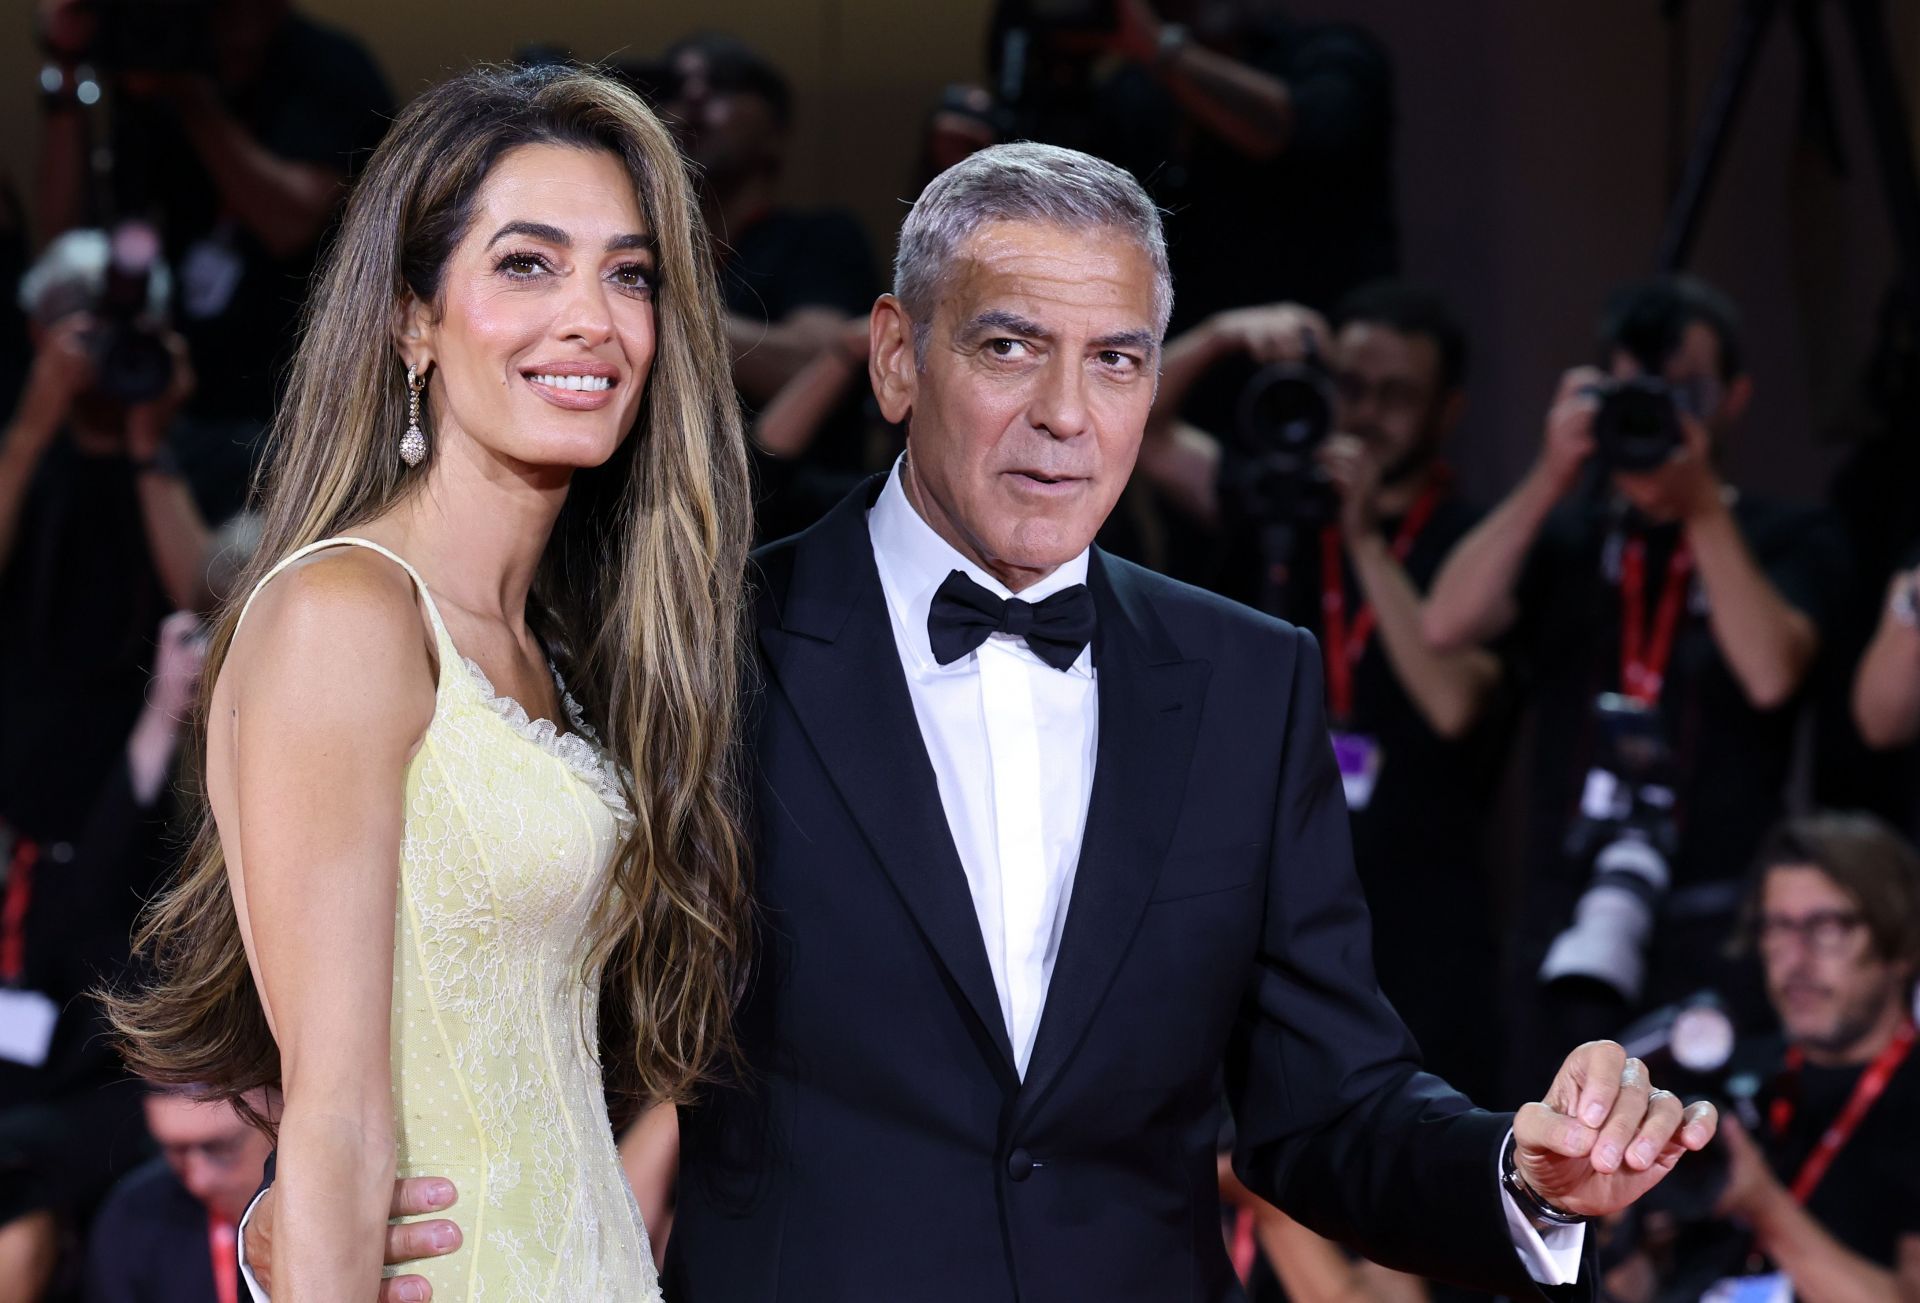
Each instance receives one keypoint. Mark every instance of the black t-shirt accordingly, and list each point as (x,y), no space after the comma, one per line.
(1417,842)
(81,606)
(1732,760)
(1311,223)
(319,99)
(149,1243)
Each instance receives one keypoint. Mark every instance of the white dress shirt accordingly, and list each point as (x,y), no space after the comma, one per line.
(1012,742)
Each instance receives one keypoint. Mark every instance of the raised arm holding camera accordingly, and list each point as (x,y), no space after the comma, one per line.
(1669,624)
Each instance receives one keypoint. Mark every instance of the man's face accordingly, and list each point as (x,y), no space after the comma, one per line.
(1827,984)
(728,133)
(218,1157)
(1028,412)
(1388,395)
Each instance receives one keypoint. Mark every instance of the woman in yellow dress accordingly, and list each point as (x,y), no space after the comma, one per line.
(470,734)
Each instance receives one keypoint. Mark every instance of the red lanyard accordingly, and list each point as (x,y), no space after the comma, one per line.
(1872,1083)
(222,1243)
(13,913)
(1643,663)
(1345,646)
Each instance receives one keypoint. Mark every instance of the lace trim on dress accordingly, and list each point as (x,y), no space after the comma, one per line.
(578,750)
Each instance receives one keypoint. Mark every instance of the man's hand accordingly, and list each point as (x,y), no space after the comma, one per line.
(1603,1136)
(148,422)
(408,1243)
(1280,332)
(1681,488)
(1569,433)
(1751,1184)
(1354,473)
(62,371)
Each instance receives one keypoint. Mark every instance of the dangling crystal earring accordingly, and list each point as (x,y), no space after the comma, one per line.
(413,444)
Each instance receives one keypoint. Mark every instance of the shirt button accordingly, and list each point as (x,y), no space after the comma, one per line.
(1019,1165)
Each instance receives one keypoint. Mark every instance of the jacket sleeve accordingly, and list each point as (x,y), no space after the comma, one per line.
(1334,1121)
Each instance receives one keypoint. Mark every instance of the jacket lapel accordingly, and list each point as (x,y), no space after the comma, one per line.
(1149,712)
(833,656)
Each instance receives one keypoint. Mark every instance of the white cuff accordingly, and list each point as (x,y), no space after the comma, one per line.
(246,1272)
(1551,1257)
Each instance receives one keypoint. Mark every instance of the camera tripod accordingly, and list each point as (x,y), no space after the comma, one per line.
(1880,90)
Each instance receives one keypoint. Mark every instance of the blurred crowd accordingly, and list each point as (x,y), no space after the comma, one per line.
(1593,735)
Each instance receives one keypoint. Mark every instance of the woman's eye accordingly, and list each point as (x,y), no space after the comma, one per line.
(522,264)
(634,276)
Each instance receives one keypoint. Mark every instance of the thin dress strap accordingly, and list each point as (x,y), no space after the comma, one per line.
(442,638)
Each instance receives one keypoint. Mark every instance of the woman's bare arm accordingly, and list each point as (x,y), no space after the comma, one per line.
(327,693)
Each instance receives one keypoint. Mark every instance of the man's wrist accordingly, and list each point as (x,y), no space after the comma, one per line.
(1535,1206)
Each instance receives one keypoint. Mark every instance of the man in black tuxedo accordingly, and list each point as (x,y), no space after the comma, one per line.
(1041,876)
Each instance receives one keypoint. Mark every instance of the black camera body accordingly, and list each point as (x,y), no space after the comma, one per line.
(130,357)
(1283,414)
(1637,424)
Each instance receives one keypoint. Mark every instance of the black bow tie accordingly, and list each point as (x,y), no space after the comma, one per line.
(963,614)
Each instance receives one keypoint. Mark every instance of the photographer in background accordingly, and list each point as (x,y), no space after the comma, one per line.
(1886,688)
(1268,142)
(1667,625)
(233,124)
(1822,1189)
(103,526)
(69,1114)
(166,1233)
(1335,497)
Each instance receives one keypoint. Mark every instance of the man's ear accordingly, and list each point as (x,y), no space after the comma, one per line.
(413,332)
(894,370)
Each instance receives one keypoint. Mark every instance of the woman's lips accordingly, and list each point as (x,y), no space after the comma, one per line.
(563,394)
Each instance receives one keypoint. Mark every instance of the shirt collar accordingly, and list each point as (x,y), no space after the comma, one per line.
(914,561)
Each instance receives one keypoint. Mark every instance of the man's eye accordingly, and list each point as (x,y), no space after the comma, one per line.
(1119,361)
(1005,347)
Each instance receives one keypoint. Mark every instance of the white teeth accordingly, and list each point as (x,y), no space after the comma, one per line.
(588,384)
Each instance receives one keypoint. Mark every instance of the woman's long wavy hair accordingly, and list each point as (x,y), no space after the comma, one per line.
(639,594)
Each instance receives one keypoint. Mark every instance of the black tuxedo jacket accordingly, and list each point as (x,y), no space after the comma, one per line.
(884,1149)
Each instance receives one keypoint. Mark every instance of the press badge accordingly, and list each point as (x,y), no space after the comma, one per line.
(1774,1287)
(27,1019)
(1359,758)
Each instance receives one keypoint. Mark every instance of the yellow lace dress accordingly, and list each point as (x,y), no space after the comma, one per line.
(510,829)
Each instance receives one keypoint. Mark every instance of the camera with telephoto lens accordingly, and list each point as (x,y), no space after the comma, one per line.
(1283,414)
(1636,426)
(1626,834)
(151,35)
(130,357)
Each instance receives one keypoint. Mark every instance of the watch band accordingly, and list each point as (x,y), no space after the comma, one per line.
(163,462)
(1531,1204)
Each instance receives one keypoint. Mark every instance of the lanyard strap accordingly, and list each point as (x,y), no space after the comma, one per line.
(1345,647)
(223,1244)
(13,912)
(1643,662)
(1872,1084)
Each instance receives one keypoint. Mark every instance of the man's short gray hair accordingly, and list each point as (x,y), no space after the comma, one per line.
(1022,182)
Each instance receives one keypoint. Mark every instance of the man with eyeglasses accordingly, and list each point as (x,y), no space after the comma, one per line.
(1822,1197)
(167,1232)
(1418,745)
(1660,592)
